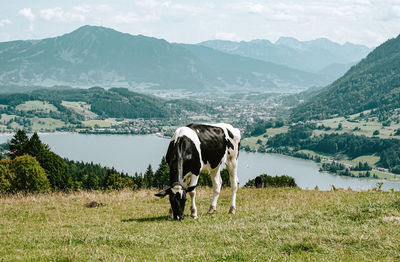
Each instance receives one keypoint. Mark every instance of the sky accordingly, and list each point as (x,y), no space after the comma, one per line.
(367,22)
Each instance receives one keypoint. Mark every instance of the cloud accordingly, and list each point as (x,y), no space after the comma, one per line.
(104,8)
(82,8)
(58,14)
(4,22)
(226,36)
(134,18)
(27,13)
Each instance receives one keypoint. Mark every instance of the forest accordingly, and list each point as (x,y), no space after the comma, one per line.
(114,102)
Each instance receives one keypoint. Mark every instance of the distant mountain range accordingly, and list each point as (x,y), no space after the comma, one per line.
(317,56)
(372,83)
(99,56)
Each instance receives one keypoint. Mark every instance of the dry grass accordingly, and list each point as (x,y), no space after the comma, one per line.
(270,224)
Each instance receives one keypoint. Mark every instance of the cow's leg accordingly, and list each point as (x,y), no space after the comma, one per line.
(170,214)
(193,209)
(217,183)
(232,169)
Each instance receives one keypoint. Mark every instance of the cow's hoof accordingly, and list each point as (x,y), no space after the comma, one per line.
(193,213)
(232,210)
(211,210)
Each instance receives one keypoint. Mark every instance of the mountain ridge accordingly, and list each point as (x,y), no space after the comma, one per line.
(372,83)
(311,56)
(93,55)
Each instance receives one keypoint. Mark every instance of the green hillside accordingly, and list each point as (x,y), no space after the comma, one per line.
(372,83)
(93,110)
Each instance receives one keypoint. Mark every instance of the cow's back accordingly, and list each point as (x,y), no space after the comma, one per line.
(214,141)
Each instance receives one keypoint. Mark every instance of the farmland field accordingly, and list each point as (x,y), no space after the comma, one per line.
(270,224)
(36,105)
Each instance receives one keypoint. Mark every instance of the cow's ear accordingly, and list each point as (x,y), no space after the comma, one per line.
(163,193)
(191,188)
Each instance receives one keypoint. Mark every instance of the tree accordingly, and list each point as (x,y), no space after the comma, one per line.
(162,175)
(56,169)
(148,177)
(19,143)
(35,146)
(91,182)
(376,132)
(28,175)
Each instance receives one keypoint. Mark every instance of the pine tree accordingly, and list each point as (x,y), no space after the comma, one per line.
(148,177)
(35,146)
(18,144)
(161,176)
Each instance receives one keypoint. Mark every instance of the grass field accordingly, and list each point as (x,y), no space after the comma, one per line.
(99,123)
(252,141)
(46,124)
(366,128)
(36,106)
(270,224)
(81,108)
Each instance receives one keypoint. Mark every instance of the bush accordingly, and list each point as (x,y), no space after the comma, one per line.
(274,181)
(117,182)
(28,175)
(5,178)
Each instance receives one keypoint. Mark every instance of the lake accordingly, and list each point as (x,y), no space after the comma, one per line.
(133,153)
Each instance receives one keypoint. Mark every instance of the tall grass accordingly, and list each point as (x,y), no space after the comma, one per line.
(270,224)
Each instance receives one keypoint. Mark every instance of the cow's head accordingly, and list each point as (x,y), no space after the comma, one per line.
(177,198)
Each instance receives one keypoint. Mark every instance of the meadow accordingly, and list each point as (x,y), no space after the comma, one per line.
(270,224)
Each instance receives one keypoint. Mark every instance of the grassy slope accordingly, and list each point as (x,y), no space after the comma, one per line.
(81,108)
(367,129)
(276,224)
(41,106)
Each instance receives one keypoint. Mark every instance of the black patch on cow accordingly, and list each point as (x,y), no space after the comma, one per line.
(238,150)
(212,143)
(229,144)
(182,158)
(230,133)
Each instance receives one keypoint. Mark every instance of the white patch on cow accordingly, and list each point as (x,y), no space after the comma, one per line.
(177,189)
(189,133)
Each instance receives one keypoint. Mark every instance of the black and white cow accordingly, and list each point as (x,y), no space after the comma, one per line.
(200,148)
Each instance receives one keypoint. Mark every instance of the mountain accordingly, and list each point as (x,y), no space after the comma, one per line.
(372,83)
(93,55)
(311,56)
(237,70)
(336,70)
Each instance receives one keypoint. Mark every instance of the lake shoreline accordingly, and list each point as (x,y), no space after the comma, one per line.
(133,153)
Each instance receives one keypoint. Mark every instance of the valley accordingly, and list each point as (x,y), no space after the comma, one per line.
(268,97)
